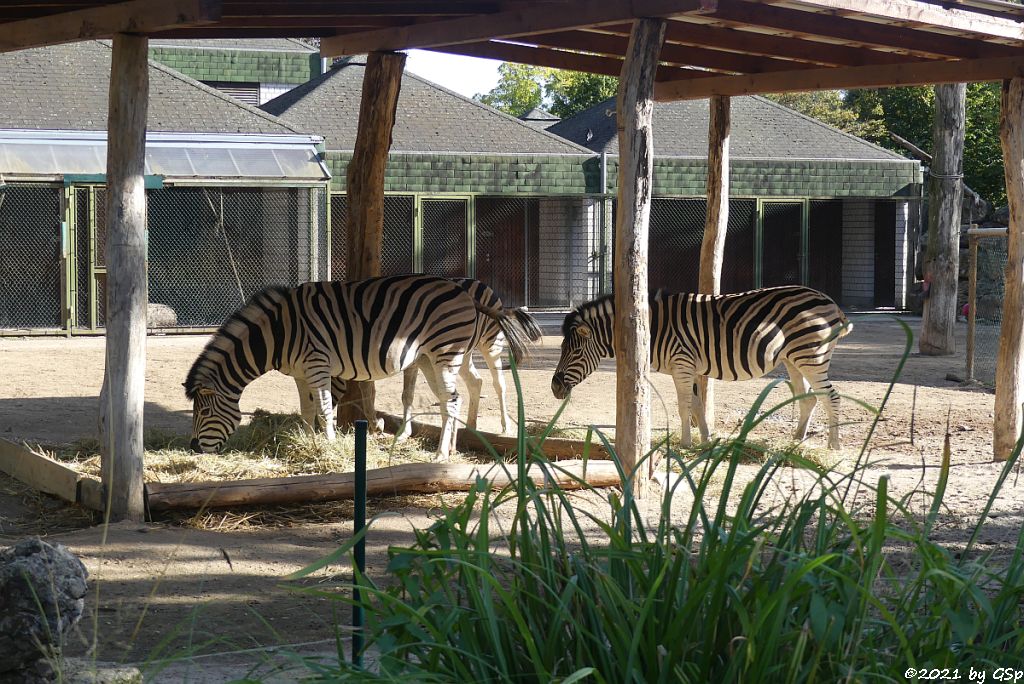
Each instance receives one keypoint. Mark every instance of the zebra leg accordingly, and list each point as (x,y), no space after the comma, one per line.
(820,383)
(408,394)
(699,415)
(685,396)
(450,402)
(475,384)
(493,362)
(800,386)
(307,405)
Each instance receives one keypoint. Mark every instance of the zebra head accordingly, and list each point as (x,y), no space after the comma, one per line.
(586,339)
(215,415)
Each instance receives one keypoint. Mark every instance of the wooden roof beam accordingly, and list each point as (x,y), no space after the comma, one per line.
(812,26)
(751,43)
(138,16)
(683,55)
(559,59)
(921,73)
(388,8)
(912,12)
(530,19)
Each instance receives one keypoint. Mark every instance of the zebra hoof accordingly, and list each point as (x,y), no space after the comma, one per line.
(379,425)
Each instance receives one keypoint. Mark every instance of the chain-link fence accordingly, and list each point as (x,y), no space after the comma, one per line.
(398,248)
(30,257)
(986,279)
(209,249)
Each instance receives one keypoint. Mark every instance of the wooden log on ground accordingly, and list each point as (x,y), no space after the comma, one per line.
(716,225)
(382,82)
(555,449)
(635,107)
(409,478)
(39,472)
(1006,428)
(123,394)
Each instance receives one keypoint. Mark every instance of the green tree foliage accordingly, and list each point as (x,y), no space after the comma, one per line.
(572,91)
(521,88)
(910,112)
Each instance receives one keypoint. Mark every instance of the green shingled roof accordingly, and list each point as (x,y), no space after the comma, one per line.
(761,129)
(64,87)
(429,119)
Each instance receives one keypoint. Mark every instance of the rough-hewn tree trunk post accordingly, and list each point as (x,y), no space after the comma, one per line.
(382,82)
(123,394)
(945,197)
(632,311)
(1010,362)
(716,224)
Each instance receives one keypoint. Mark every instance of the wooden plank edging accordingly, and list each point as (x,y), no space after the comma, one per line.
(39,472)
(407,478)
(554,448)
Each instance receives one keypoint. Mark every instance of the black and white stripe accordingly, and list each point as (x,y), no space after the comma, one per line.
(727,337)
(360,330)
(489,340)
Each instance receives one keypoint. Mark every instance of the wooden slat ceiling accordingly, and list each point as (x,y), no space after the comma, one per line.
(712,46)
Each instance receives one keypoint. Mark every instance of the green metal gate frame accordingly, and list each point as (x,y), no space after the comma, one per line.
(805,214)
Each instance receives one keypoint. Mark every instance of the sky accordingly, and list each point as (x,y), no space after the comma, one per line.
(465,75)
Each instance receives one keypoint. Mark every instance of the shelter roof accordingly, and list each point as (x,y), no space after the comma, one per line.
(252,44)
(726,47)
(64,87)
(429,118)
(760,129)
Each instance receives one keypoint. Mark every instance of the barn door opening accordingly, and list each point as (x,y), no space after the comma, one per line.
(444,237)
(783,249)
(885,254)
(506,247)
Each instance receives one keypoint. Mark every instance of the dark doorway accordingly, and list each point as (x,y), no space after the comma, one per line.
(825,247)
(504,227)
(781,228)
(885,254)
(444,238)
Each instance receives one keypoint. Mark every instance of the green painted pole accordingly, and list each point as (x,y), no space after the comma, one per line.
(359,522)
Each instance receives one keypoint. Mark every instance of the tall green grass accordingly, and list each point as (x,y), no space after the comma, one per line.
(515,586)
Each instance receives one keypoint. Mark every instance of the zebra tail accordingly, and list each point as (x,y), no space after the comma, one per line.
(528,323)
(845,326)
(516,332)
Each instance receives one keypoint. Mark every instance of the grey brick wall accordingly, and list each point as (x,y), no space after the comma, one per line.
(569,235)
(902,250)
(858,253)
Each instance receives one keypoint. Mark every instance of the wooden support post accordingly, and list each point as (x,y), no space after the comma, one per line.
(123,394)
(945,194)
(632,310)
(382,81)
(716,224)
(1010,362)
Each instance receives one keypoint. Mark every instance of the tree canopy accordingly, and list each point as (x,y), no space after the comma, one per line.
(564,93)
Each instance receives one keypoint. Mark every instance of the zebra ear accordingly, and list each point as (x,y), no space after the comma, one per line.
(583,331)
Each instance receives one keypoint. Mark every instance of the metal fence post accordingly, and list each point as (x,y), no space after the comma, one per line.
(972,302)
(359,523)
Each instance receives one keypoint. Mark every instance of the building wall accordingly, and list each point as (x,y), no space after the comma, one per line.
(859,253)
(902,252)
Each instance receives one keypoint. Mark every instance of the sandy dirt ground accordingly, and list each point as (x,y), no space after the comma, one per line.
(162,585)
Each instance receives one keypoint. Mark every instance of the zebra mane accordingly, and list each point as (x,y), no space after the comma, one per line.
(234,328)
(587,311)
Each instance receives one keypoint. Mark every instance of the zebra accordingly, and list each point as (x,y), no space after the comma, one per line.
(727,337)
(488,339)
(360,330)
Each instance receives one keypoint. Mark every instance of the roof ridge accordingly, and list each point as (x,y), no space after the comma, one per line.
(499,113)
(213,91)
(822,124)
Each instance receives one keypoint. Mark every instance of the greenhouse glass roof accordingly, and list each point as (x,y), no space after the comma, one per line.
(174,156)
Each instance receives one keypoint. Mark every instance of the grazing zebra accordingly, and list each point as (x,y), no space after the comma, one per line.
(361,330)
(489,339)
(727,337)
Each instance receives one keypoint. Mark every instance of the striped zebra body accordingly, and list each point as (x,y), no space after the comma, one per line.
(726,337)
(360,330)
(488,339)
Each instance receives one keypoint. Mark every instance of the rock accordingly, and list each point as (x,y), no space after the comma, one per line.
(1002,215)
(42,595)
(160,316)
